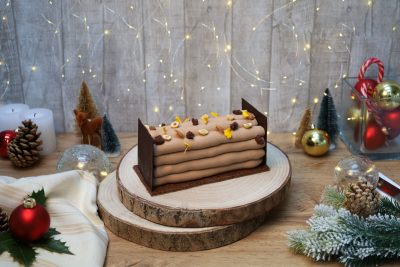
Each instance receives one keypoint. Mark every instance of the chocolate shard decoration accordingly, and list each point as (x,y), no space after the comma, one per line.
(145,155)
(261,119)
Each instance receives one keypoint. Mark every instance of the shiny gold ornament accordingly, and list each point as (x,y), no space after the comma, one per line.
(315,142)
(353,115)
(387,95)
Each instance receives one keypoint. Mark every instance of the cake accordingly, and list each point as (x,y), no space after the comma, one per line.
(195,151)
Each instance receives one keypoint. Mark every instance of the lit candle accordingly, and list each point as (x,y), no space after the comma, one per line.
(43,118)
(10,116)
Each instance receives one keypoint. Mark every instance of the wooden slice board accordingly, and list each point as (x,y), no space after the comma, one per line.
(223,203)
(136,229)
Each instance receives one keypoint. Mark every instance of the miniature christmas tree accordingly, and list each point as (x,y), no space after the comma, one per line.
(327,118)
(304,126)
(109,139)
(86,102)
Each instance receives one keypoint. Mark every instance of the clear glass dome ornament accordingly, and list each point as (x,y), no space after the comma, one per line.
(86,158)
(353,169)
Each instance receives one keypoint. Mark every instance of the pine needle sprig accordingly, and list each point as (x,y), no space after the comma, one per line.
(333,197)
(388,206)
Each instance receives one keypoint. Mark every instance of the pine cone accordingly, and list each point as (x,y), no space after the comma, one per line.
(3,221)
(362,199)
(23,151)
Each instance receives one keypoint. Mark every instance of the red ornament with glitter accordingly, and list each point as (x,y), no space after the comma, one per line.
(29,221)
(5,138)
(374,137)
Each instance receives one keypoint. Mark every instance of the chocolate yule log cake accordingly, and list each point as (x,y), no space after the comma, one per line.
(195,151)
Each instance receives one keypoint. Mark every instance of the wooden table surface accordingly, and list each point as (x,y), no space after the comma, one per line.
(267,246)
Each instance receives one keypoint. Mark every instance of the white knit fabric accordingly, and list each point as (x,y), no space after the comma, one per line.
(72,207)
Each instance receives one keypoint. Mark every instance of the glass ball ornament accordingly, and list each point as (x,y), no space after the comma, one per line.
(355,168)
(86,158)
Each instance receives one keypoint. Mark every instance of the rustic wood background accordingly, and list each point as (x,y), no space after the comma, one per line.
(160,58)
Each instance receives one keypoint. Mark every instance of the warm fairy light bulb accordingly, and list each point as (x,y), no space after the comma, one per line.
(218,88)
(394,28)
(4,17)
(284,77)
(229,3)
(329,47)
(156,109)
(268,132)
(227,48)
(317,9)
(344,76)
(369,3)
(265,113)
(131,7)
(94,76)
(202,88)
(170,108)
(181,97)
(294,100)
(252,85)
(254,29)
(80,165)
(67,60)
(1,63)
(187,36)
(83,71)
(307,46)
(79,56)
(148,65)
(293,133)
(128,89)
(176,80)
(161,61)
(62,75)
(257,72)
(137,36)
(165,76)
(300,83)
(340,34)
(8,82)
(106,32)
(171,75)
(144,80)
(336,86)
(209,66)
(199,104)
(316,100)
(33,68)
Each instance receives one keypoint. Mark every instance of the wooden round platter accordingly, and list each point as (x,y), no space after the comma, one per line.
(127,225)
(222,203)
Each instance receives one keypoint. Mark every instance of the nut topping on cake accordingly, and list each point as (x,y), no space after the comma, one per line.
(152,128)
(214,114)
(219,129)
(180,134)
(237,112)
(174,124)
(159,140)
(166,137)
(162,124)
(248,125)
(203,132)
(260,139)
(189,135)
(195,121)
(205,118)
(230,118)
(234,126)
(228,133)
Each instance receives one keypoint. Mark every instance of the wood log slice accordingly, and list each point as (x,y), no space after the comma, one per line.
(222,203)
(129,226)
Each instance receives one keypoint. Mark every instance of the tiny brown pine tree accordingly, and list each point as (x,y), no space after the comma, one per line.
(304,126)
(86,102)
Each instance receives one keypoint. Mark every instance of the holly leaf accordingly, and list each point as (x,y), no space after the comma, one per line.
(53,245)
(51,232)
(21,252)
(39,196)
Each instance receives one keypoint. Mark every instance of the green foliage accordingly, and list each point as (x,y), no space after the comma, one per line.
(53,245)
(389,206)
(353,240)
(39,196)
(109,139)
(21,252)
(328,118)
(333,197)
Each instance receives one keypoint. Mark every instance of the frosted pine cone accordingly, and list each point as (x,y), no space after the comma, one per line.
(362,199)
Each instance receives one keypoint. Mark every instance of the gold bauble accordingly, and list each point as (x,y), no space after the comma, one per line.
(387,95)
(315,142)
(353,115)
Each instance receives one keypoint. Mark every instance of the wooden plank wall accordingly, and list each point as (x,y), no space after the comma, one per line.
(161,58)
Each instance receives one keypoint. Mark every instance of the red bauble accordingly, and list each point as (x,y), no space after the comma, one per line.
(374,137)
(371,84)
(29,221)
(5,138)
(393,133)
(391,119)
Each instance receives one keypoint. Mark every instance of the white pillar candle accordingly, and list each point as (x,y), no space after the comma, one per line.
(10,116)
(45,122)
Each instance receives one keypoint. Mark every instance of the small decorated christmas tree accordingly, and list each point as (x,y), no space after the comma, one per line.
(327,118)
(109,139)
(86,102)
(304,126)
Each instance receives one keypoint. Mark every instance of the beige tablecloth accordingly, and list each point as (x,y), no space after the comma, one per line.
(72,207)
